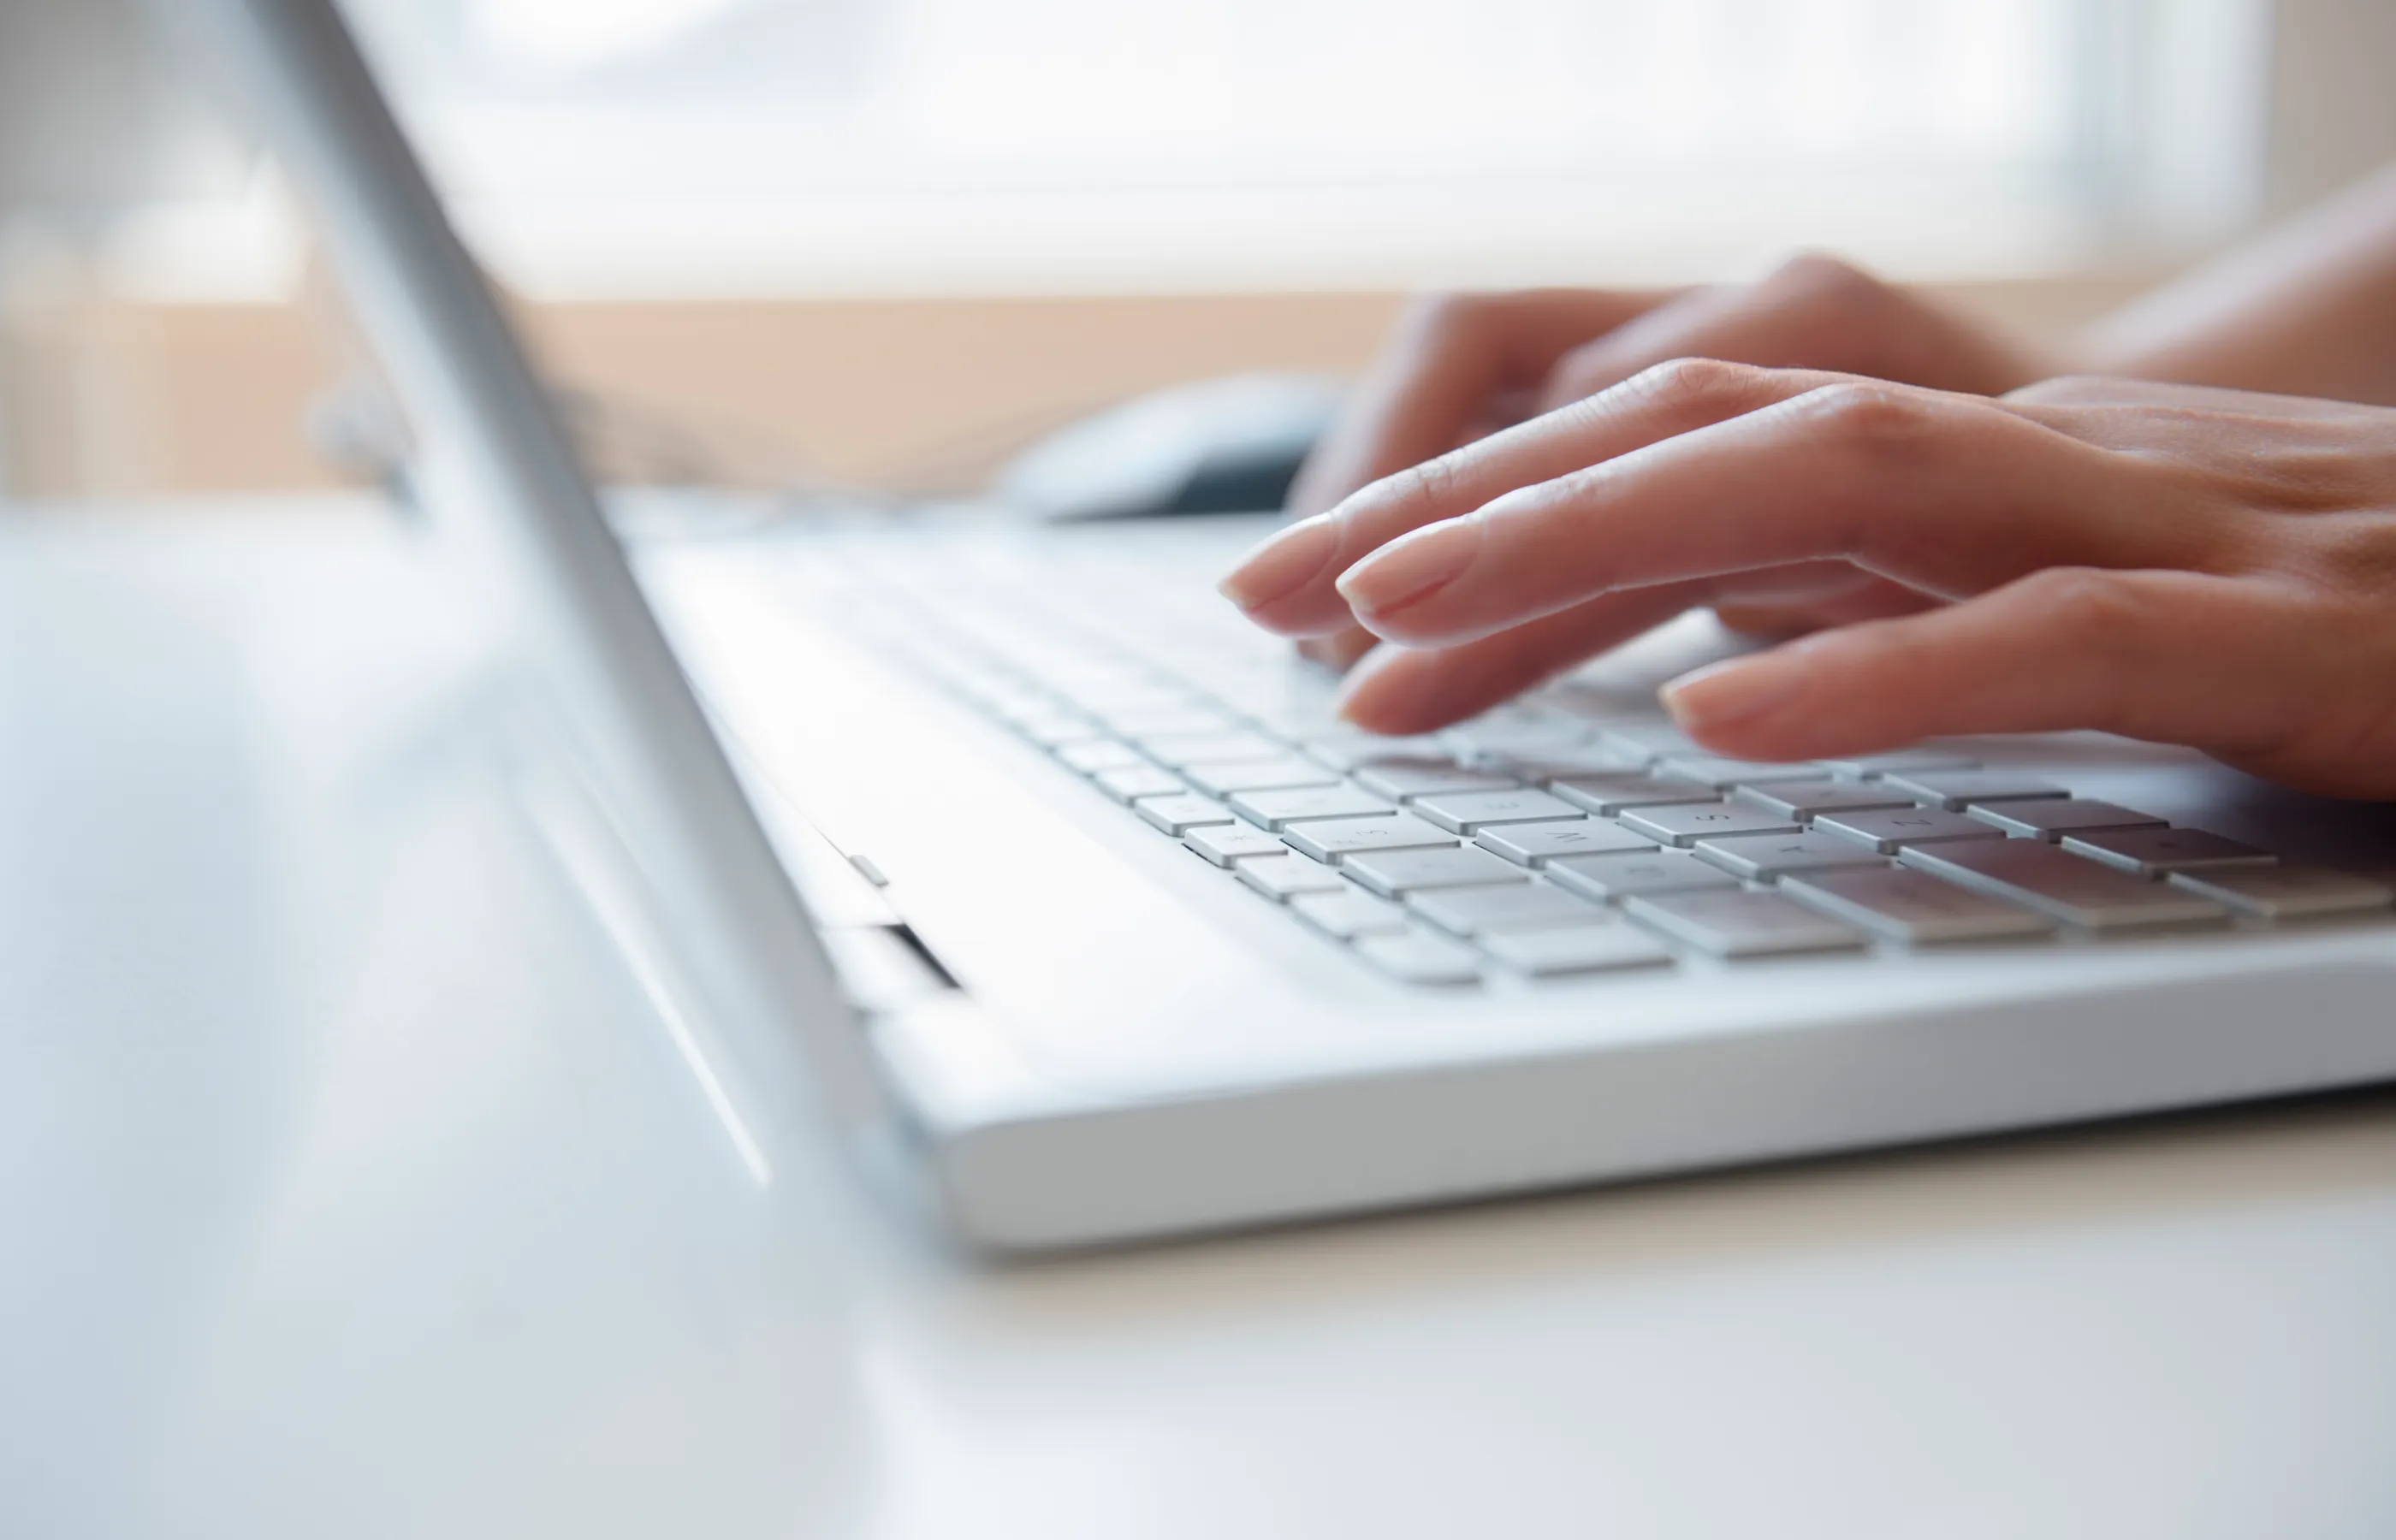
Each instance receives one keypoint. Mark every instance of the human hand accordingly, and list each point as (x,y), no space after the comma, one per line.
(2198,567)
(1460,367)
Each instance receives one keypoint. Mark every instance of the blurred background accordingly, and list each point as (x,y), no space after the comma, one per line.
(888,241)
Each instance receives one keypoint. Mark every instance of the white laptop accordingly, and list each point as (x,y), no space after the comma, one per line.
(1071,893)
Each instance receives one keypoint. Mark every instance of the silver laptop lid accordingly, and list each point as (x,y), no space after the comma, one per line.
(506,486)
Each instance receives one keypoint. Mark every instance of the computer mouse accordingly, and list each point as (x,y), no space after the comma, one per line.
(1222,446)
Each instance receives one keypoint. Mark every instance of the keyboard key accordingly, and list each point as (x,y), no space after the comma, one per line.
(1687,826)
(1582,949)
(1647,741)
(2075,891)
(1273,775)
(1223,843)
(1556,763)
(1956,789)
(1719,775)
(1142,780)
(1177,720)
(1533,843)
(1349,749)
(1130,699)
(1912,906)
(2052,821)
(1807,799)
(1397,871)
(1762,858)
(1328,839)
(1481,741)
(1416,958)
(1055,729)
(1287,876)
(1290,719)
(1611,794)
(1892,829)
(1741,924)
(1515,907)
(1008,701)
(2288,892)
(1897,763)
(1619,876)
(1175,750)
(1470,812)
(2155,852)
(1178,815)
(1278,809)
(1092,755)
(1348,914)
(1399,780)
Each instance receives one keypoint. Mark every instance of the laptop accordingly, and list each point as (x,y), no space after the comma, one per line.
(1010,854)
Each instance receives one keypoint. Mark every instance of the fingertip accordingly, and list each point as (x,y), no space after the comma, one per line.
(1338,650)
(1741,705)
(1284,567)
(1385,694)
(1830,693)
(1364,703)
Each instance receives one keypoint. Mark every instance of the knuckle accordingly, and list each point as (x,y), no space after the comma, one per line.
(1580,373)
(2066,391)
(1694,383)
(2102,611)
(1884,421)
(2317,479)
(1446,313)
(2106,623)
(1429,486)
(1826,280)
(2353,553)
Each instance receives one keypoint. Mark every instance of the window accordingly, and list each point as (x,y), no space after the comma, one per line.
(694,146)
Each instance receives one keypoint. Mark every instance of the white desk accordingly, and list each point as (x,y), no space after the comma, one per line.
(350,1188)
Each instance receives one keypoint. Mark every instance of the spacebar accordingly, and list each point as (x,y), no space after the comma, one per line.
(2073,889)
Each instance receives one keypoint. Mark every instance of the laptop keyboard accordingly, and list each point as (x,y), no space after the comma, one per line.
(1567,833)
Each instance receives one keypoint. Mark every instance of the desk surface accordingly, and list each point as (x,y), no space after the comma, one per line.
(351,1188)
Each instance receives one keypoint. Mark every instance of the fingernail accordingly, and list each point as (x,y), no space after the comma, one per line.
(1410,570)
(1283,565)
(1734,691)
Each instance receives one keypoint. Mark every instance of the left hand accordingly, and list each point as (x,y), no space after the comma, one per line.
(1460,366)
(2206,567)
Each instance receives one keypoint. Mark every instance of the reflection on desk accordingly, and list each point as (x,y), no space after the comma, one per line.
(351,1188)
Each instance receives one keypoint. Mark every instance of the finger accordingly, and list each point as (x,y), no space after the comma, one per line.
(1806,583)
(1288,584)
(2170,657)
(1447,359)
(1814,312)
(1410,690)
(1947,493)
(2068,391)
(1459,368)
(1339,651)
(1401,690)
(1874,598)
(1417,690)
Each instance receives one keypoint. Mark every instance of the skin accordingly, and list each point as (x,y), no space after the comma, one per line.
(1962,538)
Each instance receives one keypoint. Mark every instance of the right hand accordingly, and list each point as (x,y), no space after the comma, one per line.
(2179,563)
(1460,367)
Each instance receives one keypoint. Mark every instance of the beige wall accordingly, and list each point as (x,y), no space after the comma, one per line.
(118,396)
(100,393)
(122,396)
(2333,98)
